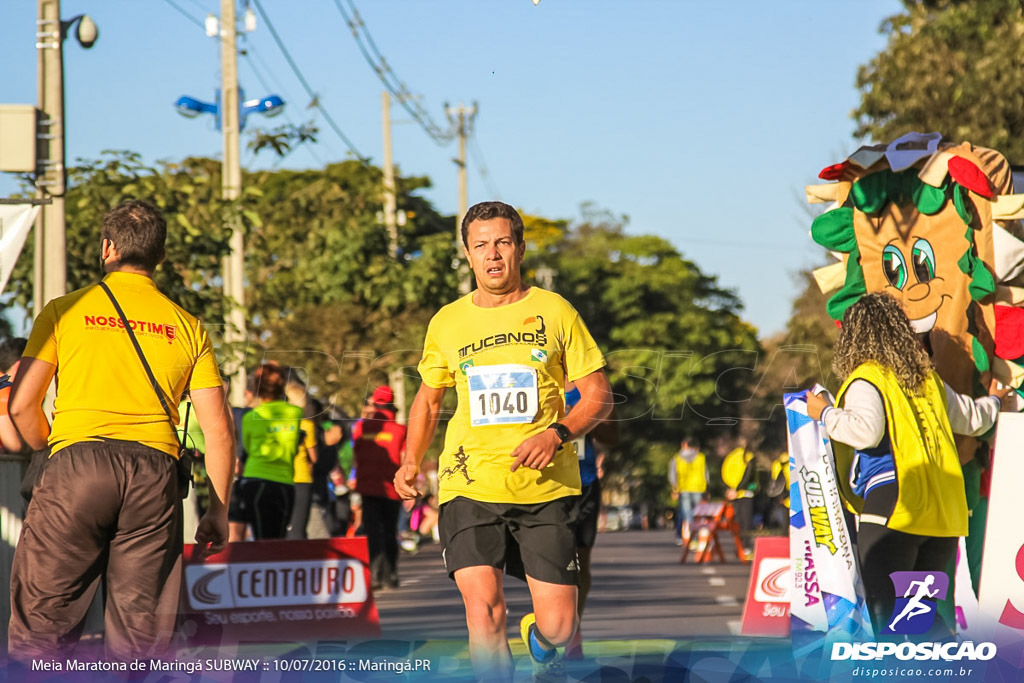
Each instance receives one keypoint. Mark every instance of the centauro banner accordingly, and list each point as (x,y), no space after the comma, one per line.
(15,222)
(826,599)
(275,591)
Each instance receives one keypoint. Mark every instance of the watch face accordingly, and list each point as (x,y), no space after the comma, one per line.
(562,431)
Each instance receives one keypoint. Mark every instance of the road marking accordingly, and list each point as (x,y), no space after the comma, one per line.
(726,600)
(734,627)
(716,581)
(707,570)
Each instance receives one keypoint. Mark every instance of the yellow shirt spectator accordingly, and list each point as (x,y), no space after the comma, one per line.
(173,341)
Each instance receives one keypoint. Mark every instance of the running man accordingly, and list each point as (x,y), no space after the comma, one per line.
(507,475)
(915,606)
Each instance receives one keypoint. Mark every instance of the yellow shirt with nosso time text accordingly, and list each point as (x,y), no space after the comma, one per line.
(509,366)
(103,392)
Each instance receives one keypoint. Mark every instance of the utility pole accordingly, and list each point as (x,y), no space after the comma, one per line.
(390,200)
(50,265)
(231,172)
(396,379)
(461,117)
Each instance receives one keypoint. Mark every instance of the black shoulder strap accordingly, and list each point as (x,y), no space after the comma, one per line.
(142,357)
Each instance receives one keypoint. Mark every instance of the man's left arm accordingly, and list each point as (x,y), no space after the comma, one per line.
(26,402)
(594,406)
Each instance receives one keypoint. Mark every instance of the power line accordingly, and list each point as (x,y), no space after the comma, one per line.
(386,74)
(185,14)
(305,84)
(481,167)
(199,6)
(287,115)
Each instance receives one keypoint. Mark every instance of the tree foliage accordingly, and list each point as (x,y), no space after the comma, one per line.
(315,249)
(188,195)
(952,66)
(793,360)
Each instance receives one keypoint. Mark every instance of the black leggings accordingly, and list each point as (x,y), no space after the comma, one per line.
(882,550)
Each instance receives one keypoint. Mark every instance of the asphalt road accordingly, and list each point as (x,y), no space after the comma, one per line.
(640,591)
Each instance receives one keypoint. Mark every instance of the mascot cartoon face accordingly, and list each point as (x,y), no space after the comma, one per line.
(914,219)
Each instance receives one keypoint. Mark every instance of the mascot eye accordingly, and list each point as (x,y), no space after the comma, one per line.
(894,267)
(924,261)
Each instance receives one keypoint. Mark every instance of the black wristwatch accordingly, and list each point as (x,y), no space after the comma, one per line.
(563,432)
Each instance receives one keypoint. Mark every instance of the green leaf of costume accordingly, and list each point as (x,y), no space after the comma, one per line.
(928,200)
(961,202)
(870,193)
(853,289)
(980,357)
(834,230)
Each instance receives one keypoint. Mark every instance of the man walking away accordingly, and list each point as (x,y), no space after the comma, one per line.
(107,505)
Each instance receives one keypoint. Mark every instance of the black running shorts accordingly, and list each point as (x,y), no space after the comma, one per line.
(586,510)
(533,540)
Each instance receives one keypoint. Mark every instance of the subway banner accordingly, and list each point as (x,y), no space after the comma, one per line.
(826,598)
(279,590)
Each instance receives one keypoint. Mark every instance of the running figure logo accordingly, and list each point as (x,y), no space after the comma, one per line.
(461,458)
(916,596)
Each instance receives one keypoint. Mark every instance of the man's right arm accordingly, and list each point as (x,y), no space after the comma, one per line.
(426,408)
(215,419)
(26,402)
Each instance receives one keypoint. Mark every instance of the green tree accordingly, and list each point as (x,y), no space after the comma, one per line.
(188,195)
(793,360)
(952,66)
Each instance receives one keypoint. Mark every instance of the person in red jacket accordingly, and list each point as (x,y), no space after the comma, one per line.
(378,445)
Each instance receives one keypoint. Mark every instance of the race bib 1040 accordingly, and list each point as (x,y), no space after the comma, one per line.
(502,394)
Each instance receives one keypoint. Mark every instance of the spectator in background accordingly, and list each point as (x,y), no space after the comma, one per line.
(323,523)
(778,492)
(688,479)
(378,444)
(10,357)
(312,440)
(238,527)
(271,436)
(739,474)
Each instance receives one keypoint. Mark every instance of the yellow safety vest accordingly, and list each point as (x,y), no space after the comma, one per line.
(691,477)
(781,466)
(932,500)
(733,467)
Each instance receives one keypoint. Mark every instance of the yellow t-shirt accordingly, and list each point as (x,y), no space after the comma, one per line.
(539,342)
(102,389)
(303,462)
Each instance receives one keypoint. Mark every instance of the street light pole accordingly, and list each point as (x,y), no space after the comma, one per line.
(50,264)
(231,172)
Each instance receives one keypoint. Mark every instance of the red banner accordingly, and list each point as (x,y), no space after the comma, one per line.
(766,611)
(280,591)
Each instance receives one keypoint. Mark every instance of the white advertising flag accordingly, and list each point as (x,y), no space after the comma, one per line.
(15,222)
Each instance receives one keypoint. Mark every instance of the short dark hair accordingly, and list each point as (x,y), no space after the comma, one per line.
(11,351)
(485,211)
(138,231)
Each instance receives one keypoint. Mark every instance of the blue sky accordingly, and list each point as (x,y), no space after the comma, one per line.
(701,121)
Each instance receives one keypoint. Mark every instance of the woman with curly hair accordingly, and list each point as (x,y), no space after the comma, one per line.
(896,462)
